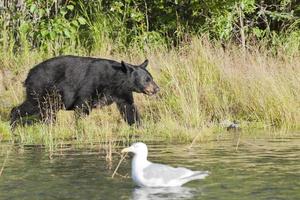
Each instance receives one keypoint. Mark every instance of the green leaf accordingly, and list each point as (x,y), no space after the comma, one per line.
(67,33)
(81,20)
(41,12)
(44,33)
(32,8)
(24,27)
(258,32)
(70,7)
(52,35)
(63,12)
(75,23)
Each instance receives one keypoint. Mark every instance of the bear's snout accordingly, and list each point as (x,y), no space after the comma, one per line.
(151,89)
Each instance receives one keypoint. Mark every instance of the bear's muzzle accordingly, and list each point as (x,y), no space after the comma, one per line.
(151,89)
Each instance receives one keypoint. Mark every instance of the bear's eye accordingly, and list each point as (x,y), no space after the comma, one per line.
(148,79)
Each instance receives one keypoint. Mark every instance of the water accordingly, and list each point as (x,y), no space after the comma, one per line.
(249,168)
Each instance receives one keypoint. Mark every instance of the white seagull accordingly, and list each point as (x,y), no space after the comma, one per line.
(147,174)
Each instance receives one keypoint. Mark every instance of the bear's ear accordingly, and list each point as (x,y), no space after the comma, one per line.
(144,64)
(126,67)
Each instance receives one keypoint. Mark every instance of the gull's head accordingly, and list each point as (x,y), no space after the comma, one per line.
(138,148)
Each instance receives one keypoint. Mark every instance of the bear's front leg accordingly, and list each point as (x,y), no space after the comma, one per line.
(129,112)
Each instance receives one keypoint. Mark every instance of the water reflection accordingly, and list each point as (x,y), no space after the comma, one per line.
(255,169)
(163,193)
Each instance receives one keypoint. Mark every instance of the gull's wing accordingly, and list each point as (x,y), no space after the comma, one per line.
(168,173)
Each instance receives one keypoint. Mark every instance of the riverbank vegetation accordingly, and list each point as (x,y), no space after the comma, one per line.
(218,61)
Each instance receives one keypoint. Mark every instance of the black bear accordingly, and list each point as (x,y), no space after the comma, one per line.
(80,84)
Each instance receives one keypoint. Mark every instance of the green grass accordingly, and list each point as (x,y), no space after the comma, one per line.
(201,85)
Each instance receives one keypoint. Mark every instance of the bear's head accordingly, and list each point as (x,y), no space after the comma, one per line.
(140,79)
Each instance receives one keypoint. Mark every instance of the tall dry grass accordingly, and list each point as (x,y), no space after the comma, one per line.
(201,85)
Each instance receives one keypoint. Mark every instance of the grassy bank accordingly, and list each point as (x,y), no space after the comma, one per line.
(201,85)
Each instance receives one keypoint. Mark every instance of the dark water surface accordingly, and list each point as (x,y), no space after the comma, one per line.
(245,168)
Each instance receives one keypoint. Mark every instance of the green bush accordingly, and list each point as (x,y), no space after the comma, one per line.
(68,24)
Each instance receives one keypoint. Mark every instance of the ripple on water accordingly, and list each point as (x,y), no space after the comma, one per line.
(245,168)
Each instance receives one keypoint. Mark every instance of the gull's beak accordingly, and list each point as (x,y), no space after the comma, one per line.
(126,150)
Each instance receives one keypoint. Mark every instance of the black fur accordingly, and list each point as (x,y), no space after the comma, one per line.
(80,84)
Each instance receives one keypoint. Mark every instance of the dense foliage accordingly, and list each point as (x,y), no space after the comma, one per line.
(170,22)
